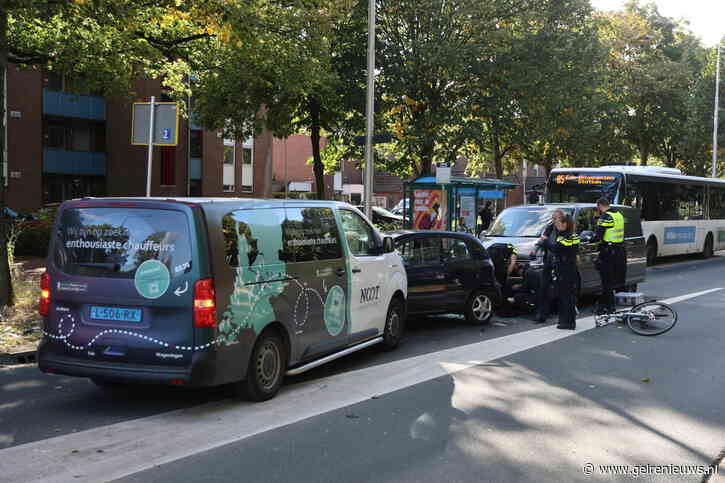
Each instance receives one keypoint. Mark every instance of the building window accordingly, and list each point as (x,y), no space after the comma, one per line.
(74,135)
(248,166)
(196,143)
(229,165)
(168,165)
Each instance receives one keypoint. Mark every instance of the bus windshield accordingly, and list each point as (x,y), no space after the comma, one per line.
(583,187)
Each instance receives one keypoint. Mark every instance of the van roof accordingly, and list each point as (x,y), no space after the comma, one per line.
(251,202)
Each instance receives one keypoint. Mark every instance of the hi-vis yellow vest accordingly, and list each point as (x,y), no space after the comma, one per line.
(614,226)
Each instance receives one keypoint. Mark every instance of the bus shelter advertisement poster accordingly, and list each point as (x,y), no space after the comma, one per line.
(429,210)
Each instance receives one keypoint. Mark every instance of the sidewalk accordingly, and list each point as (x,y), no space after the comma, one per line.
(20,325)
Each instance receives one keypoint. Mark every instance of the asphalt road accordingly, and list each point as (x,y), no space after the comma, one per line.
(602,396)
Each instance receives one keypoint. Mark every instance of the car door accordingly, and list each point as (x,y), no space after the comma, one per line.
(426,273)
(586,221)
(367,270)
(635,246)
(318,278)
(461,271)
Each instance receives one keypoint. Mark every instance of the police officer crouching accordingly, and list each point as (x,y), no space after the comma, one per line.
(564,249)
(504,258)
(612,262)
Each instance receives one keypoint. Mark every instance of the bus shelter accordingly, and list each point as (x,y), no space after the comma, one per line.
(449,206)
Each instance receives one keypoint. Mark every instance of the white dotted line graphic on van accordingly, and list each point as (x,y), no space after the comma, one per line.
(69,318)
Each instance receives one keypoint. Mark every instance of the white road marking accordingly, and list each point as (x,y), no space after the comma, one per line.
(133,446)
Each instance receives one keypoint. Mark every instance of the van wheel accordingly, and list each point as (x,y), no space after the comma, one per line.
(651,252)
(266,368)
(479,307)
(394,325)
(707,249)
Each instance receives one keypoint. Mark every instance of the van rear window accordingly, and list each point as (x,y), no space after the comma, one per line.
(113,242)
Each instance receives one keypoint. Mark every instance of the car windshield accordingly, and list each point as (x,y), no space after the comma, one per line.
(522,222)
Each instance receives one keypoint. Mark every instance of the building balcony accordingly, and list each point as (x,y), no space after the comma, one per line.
(60,161)
(56,103)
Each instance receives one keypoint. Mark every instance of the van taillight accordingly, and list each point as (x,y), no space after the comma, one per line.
(204,304)
(44,305)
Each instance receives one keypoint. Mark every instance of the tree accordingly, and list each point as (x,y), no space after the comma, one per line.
(651,73)
(105,46)
(300,67)
(431,54)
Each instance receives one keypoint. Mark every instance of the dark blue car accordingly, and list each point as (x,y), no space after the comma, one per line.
(448,272)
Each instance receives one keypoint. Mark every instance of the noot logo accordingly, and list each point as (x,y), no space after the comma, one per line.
(335,310)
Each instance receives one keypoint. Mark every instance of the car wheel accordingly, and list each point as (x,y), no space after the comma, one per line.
(394,325)
(707,249)
(479,307)
(651,253)
(266,368)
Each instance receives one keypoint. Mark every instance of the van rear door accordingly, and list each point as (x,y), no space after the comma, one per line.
(122,282)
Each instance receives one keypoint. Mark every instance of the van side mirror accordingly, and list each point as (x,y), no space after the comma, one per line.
(586,236)
(388,246)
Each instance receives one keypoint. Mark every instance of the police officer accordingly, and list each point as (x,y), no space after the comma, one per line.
(543,302)
(612,264)
(505,259)
(564,249)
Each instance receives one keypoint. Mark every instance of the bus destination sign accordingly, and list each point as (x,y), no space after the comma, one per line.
(584,179)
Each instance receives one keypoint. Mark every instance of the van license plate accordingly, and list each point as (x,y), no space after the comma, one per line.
(115,313)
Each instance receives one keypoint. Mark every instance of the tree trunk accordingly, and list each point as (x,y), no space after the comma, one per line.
(317,166)
(6,284)
(643,154)
(497,156)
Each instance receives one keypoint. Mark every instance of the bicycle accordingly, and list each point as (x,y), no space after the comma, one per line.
(648,318)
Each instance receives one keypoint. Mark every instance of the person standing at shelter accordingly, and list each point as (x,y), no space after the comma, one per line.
(612,263)
(486,215)
(543,302)
(564,248)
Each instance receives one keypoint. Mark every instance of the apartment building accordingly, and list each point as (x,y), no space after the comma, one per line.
(62,145)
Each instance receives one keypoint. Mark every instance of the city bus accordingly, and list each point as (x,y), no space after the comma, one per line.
(680,214)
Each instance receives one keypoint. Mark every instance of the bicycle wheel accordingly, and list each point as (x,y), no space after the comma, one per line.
(651,318)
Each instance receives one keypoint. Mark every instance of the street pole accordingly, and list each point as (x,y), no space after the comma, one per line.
(151,146)
(370,110)
(523,189)
(717,107)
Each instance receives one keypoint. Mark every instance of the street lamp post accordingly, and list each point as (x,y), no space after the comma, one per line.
(370,110)
(717,107)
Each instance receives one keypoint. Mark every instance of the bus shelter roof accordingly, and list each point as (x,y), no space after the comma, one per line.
(481,183)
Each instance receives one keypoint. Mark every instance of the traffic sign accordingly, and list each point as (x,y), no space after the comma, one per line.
(166,124)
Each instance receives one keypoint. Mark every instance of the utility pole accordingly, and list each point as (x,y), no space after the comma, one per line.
(370,110)
(717,108)
(152,107)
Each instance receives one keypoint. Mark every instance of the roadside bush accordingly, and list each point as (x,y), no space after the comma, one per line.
(34,239)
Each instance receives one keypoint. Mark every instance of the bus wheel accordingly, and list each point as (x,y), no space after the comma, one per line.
(651,252)
(707,249)
(266,368)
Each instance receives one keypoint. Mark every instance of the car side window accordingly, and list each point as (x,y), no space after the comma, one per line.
(420,251)
(359,234)
(455,250)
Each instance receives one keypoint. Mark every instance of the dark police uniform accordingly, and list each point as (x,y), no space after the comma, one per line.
(501,254)
(612,264)
(564,249)
(543,300)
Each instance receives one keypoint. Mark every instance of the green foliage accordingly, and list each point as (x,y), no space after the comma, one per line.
(34,238)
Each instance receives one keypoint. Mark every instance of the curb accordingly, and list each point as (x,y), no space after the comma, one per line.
(16,358)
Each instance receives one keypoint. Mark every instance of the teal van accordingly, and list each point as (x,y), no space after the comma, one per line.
(203,292)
